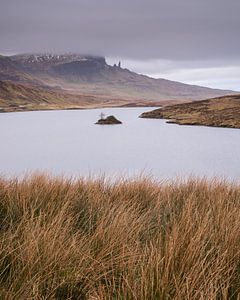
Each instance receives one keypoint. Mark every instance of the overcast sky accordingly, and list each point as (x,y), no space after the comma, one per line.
(195,41)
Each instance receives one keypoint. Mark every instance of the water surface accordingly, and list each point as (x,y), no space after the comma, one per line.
(68,142)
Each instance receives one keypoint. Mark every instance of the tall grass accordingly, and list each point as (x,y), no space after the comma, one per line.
(90,239)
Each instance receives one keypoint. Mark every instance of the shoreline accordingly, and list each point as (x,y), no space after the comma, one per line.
(222,112)
(175,122)
(29,109)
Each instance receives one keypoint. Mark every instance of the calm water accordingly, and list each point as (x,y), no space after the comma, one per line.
(68,142)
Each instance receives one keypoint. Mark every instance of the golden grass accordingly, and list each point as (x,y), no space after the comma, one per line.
(89,239)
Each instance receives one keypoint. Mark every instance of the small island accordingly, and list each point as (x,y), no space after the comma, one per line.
(110,120)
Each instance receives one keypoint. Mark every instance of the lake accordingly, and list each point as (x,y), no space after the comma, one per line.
(68,142)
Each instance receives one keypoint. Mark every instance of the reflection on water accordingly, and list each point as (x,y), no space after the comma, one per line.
(68,142)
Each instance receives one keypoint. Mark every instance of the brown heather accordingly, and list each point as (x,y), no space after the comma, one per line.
(91,239)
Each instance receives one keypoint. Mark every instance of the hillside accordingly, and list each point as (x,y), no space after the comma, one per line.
(217,112)
(92,75)
(20,97)
(12,71)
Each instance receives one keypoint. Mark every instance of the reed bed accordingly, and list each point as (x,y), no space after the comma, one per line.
(131,239)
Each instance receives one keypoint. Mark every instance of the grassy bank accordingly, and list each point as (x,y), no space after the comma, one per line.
(128,240)
(217,112)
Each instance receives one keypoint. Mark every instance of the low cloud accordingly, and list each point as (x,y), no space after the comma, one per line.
(180,35)
(166,29)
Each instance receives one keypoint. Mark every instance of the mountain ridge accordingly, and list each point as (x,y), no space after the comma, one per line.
(86,74)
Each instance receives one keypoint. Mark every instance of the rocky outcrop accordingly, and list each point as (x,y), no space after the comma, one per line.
(110,120)
(88,67)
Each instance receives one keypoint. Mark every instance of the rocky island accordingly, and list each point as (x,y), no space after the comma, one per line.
(110,120)
(217,112)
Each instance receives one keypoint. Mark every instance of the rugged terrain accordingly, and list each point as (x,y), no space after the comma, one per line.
(218,112)
(91,75)
(110,120)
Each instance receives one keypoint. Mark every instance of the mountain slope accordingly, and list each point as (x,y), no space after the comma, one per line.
(12,71)
(92,75)
(19,97)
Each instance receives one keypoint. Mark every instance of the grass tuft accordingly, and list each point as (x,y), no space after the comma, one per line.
(133,239)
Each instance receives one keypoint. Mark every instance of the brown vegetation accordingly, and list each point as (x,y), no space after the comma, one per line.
(217,112)
(89,239)
(24,97)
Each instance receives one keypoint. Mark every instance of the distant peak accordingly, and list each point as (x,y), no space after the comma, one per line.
(55,58)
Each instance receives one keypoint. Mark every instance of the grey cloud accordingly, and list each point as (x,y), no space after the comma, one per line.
(139,29)
(195,41)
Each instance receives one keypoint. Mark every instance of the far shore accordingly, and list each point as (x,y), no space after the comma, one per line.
(25,108)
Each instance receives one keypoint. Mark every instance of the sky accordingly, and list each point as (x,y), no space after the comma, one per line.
(193,41)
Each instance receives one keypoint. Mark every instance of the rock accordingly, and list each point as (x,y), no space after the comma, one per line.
(110,120)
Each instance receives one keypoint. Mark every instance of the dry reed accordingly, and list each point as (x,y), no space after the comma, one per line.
(133,239)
